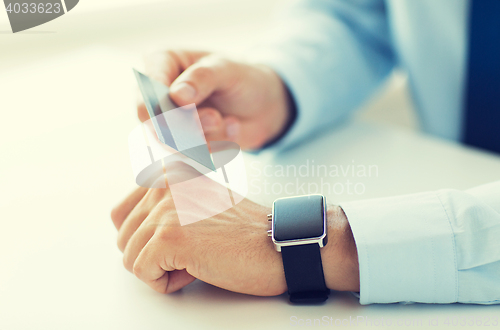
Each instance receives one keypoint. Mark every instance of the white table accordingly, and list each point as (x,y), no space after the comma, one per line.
(64,164)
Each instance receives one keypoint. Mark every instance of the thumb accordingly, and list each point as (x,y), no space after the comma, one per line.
(202,79)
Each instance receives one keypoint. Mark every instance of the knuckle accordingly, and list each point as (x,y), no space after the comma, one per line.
(220,62)
(170,235)
(115,214)
(165,206)
(171,53)
(169,214)
(164,234)
(121,242)
(158,194)
(138,269)
(127,262)
(203,73)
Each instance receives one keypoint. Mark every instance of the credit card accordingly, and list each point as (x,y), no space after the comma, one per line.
(177,127)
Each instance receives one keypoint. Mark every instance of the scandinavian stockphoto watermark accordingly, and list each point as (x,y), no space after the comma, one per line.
(26,14)
(471,321)
(310,177)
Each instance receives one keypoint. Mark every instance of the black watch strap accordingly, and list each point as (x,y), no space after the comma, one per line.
(304,273)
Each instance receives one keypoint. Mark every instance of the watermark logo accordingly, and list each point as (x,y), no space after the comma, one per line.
(470,321)
(26,14)
(170,151)
(309,177)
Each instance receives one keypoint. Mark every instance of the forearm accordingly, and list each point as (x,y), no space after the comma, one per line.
(332,55)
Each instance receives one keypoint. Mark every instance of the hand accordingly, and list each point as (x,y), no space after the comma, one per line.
(244,103)
(230,250)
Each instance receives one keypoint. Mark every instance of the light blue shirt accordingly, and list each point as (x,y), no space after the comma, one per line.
(435,247)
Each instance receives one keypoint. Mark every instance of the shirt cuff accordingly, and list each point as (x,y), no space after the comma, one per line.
(406,249)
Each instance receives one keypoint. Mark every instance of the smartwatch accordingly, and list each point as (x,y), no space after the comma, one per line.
(298,231)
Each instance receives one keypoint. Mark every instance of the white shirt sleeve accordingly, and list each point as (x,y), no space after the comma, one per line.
(433,247)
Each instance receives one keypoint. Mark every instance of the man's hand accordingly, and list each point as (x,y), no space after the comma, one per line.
(230,250)
(244,103)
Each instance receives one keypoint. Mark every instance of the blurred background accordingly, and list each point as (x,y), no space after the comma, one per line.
(136,27)
(68,95)
(68,102)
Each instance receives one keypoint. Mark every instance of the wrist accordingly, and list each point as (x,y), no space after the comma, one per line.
(340,256)
(282,110)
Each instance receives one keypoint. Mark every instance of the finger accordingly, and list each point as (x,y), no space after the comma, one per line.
(232,128)
(178,279)
(130,225)
(247,134)
(136,243)
(215,136)
(211,120)
(218,128)
(201,79)
(165,66)
(137,216)
(142,112)
(152,268)
(213,125)
(122,210)
(170,281)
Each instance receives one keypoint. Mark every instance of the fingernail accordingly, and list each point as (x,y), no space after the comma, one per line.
(208,122)
(184,91)
(232,130)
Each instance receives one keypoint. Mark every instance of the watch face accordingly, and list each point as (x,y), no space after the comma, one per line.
(298,218)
